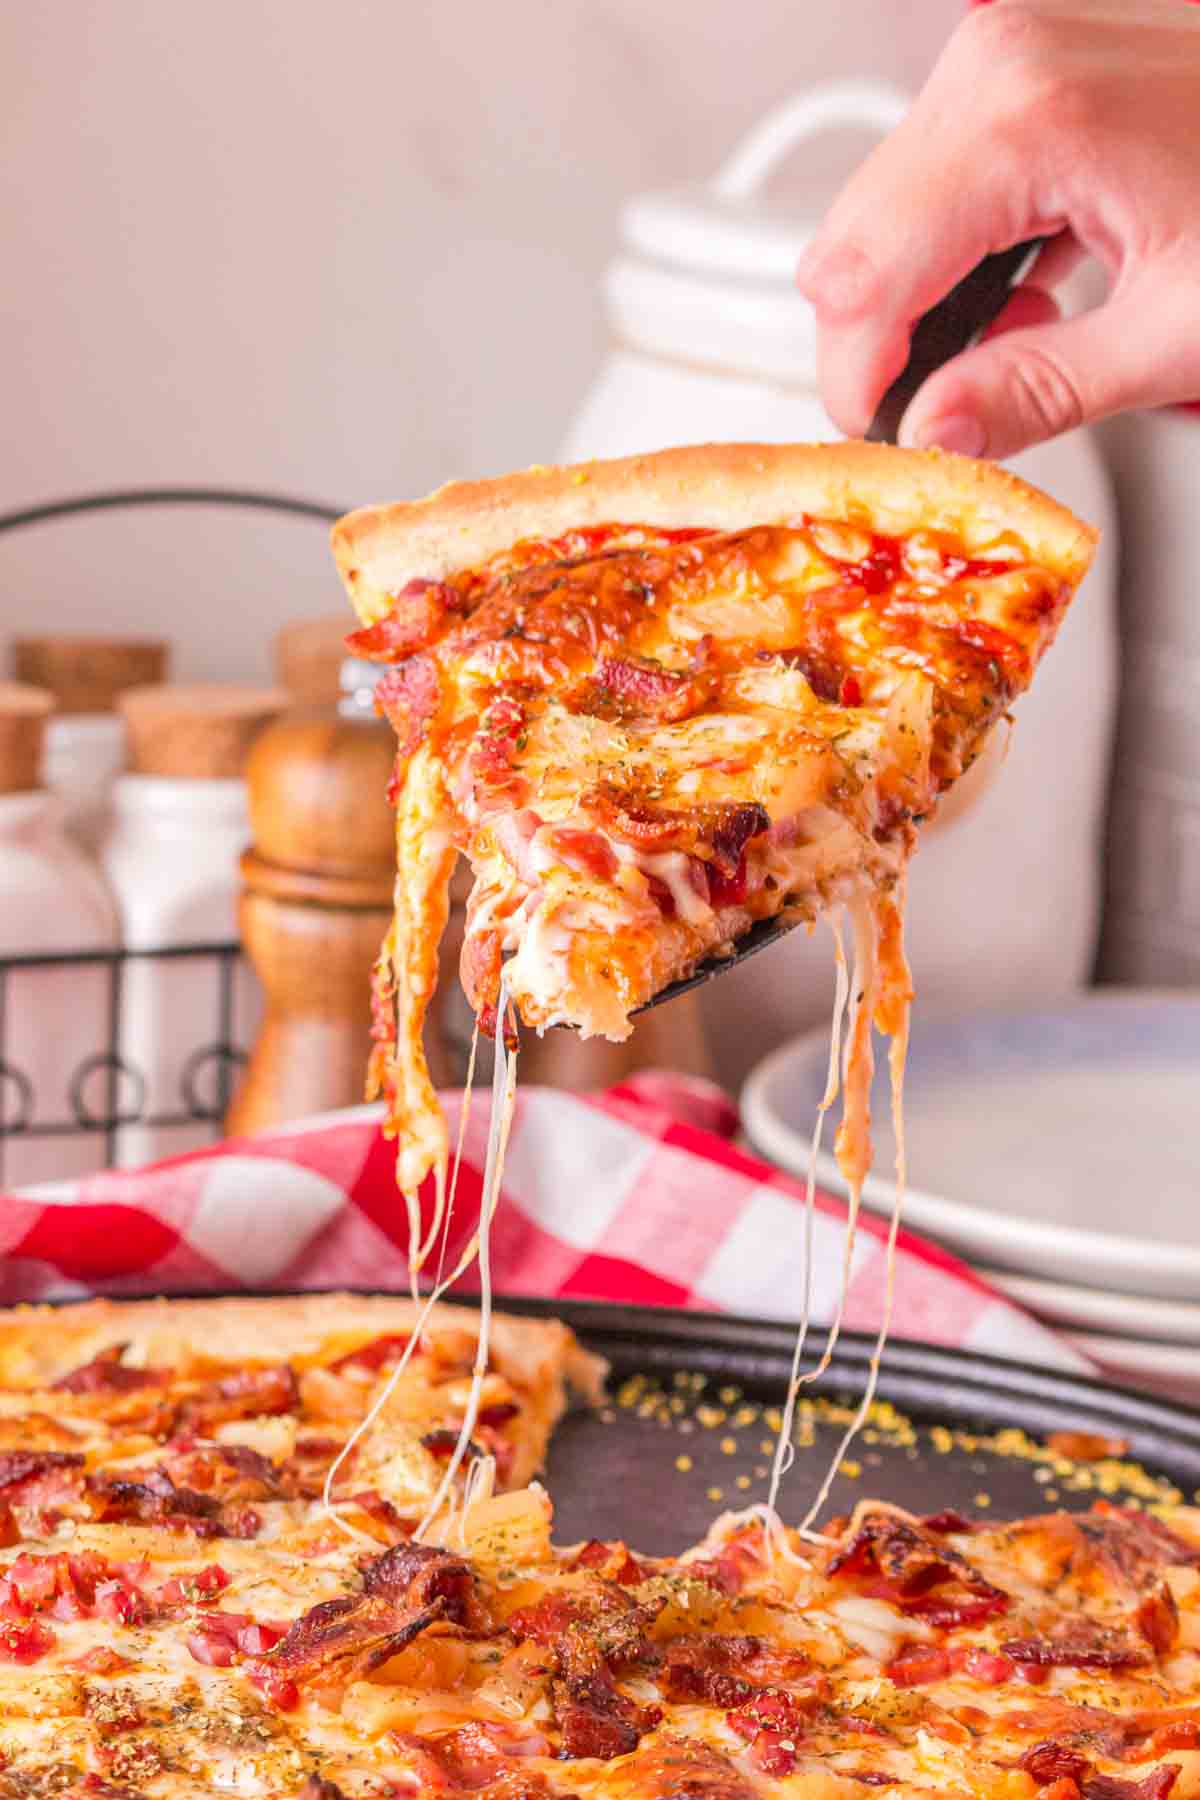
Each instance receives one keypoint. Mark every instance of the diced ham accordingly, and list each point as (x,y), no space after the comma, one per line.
(25,1642)
(408,694)
(917,1665)
(376,1355)
(986,1666)
(613,1561)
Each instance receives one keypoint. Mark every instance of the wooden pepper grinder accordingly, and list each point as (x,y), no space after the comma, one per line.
(316,903)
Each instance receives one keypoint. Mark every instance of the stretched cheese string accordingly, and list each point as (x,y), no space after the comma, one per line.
(504,1088)
(785,1449)
(329,1506)
(853,1139)
(897,1055)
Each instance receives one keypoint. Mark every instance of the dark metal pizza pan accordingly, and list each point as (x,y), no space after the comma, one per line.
(693,1408)
(632,1472)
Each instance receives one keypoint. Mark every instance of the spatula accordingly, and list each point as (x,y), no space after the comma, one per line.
(951,327)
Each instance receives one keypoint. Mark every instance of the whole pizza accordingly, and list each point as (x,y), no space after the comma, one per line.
(183,1612)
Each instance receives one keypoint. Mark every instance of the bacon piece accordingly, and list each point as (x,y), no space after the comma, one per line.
(107,1374)
(733,831)
(586,851)
(151,1497)
(246,1395)
(912,1562)
(1080,1645)
(10,1531)
(733,1564)
(408,694)
(612,1561)
(1051,1761)
(1155,1786)
(442,1443)
(725,1670)
(604,1613)
(420,612)
(640,688)
(404,1590)
(19,1466)
(474,1756)
(947,1522)
(317,1788)
(377,1355)
(1157,1619)
(226,1471)
(594,1717)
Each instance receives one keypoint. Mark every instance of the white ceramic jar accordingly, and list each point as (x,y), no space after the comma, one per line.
(171,859)
(180,822)
(55,1020)
(712,342)
(1152,921)
(84,754)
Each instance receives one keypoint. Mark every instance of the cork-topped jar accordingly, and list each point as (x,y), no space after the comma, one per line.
(180,823)
(84,748)
(309,654)
(55,1021)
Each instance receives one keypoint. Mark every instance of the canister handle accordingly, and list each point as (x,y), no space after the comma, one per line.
(869,104)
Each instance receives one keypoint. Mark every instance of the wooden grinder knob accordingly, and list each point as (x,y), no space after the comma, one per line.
(315,906)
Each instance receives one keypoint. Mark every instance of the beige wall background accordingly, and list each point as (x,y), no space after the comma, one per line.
(342,250)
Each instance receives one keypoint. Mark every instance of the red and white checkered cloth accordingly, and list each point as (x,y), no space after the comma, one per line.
(634,1195)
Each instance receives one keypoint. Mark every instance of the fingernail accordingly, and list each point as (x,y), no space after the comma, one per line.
(838,280)
(957,431)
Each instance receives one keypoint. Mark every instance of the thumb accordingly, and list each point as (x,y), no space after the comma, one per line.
(1031,383)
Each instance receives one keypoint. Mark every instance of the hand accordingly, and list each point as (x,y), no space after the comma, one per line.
(1076,121)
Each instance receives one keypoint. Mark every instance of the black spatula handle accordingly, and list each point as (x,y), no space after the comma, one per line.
(950,327)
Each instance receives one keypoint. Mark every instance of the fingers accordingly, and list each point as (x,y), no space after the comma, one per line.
(1039,376)
(929,204)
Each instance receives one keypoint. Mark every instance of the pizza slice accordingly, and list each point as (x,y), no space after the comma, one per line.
(234,1399)
(658,700)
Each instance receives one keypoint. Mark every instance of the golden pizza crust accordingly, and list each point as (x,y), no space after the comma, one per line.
(725,487)
(40,1344)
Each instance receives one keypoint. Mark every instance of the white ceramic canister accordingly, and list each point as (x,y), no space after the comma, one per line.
(713,342)
(54,1020)
(1152,920)
(85,739)
(179,825)
(84,754)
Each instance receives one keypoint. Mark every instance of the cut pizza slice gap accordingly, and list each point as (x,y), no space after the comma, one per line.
(659,701)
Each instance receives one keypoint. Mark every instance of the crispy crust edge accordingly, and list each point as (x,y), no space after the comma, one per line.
(266,1328)
(723,486)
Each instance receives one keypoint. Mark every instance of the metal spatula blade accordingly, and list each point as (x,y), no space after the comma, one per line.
(949,328)
(767,931)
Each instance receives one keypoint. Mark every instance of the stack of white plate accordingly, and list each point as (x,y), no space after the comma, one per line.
(1058,1152)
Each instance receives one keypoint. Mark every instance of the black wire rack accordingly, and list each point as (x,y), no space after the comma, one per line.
(106,1091)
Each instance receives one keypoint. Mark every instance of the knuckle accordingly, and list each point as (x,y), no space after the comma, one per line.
(1042,393)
